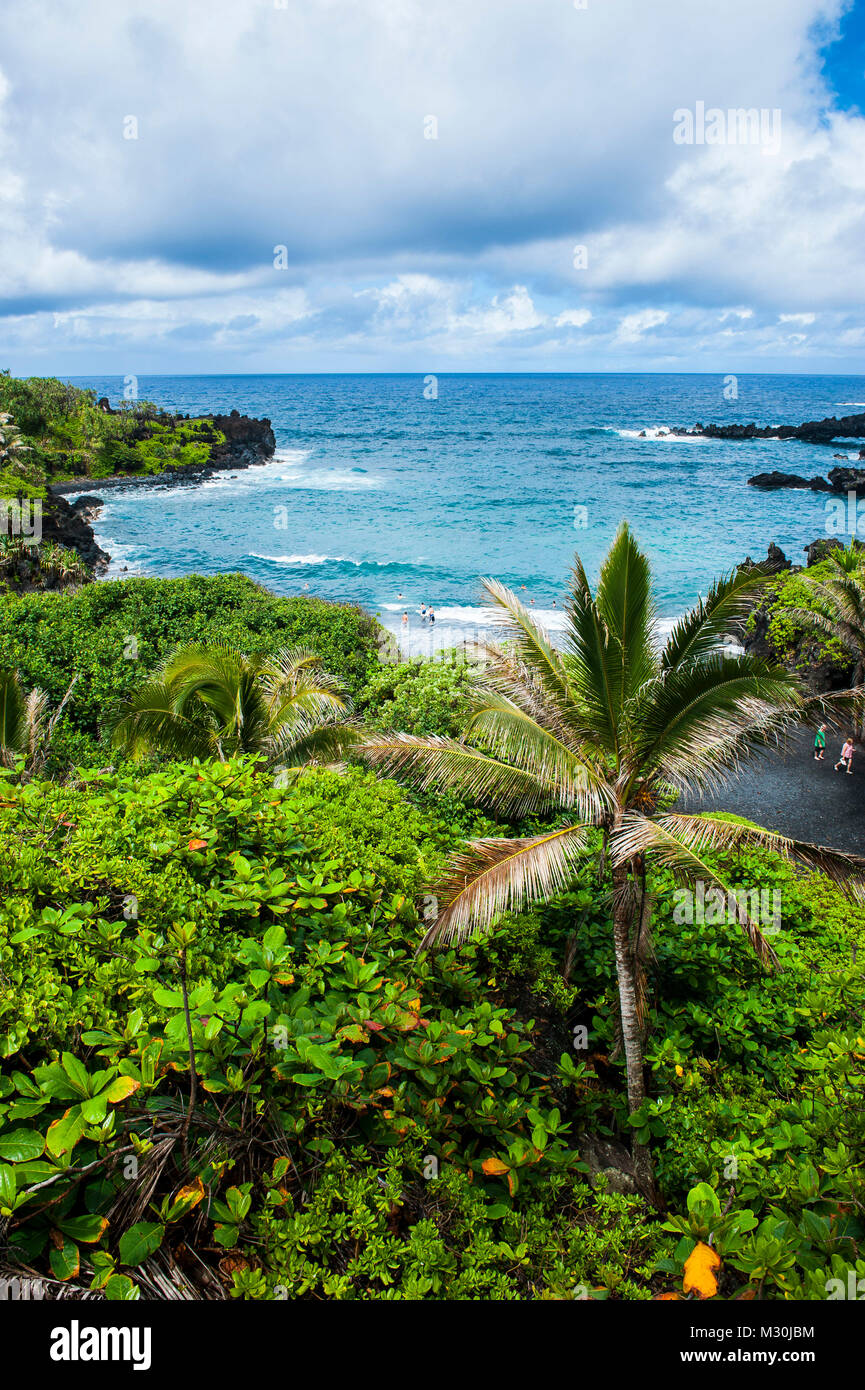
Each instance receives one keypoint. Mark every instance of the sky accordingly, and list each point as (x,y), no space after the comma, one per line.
(431,185)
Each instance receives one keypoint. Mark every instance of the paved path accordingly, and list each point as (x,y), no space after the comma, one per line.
(787,791)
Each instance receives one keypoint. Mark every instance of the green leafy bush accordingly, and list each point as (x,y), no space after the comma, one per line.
(112,633)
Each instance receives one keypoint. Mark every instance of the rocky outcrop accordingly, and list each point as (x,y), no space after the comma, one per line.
(65,525)
(236,441)
(811,432)
(807,656)
(840,481)
(776,479)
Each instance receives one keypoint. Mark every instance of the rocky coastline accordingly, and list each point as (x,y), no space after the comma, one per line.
(246,442)
(820,674)
(827,431)
(821,432)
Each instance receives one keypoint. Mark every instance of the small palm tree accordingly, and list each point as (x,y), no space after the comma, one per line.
(597,735)
(26,728)
(216,702)
(838,610)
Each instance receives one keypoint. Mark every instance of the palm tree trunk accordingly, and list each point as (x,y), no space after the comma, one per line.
(631,1035)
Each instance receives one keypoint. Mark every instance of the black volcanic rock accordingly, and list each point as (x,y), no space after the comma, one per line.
(64,525)
(847,479)
(776,479)
(247,442)
(811,432)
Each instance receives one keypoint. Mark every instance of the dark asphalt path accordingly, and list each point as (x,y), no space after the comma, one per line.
(787,791)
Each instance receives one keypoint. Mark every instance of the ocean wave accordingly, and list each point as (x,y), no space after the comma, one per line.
(311,559)
(838,404)
(662,433)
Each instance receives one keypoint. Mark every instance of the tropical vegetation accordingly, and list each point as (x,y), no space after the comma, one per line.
(601,733)
(226,1068)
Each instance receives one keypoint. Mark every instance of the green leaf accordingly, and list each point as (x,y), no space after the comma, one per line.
(21,1146)
(120,1289)
(88,1229)
(65,1262)
(8,1185)
(77,1073)
(139,1242)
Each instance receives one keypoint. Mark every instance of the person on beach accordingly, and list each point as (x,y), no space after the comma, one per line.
(432,617)
(846,759)
(405,619)
(423,612)
(820,743)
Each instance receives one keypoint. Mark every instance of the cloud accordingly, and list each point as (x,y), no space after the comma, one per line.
(633,326)
(305,127)
(573,318)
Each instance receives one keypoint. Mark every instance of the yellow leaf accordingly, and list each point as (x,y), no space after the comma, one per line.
(494,1167)
(191,1195)
(700,1268)
(121,1087)
(680,1071)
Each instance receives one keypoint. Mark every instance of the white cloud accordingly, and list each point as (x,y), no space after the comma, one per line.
(573,318)
(633,326)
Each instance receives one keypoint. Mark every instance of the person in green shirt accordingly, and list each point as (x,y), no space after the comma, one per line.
(820,743)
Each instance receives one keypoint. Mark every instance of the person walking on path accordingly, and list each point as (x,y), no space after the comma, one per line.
(820,743)
(846,759)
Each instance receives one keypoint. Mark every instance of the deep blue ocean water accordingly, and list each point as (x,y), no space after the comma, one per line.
(385,497)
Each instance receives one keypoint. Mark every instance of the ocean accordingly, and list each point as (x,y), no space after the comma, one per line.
(392,491)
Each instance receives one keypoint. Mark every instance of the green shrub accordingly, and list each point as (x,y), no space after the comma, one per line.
(113,633)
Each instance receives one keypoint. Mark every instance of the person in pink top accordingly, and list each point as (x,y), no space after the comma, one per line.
(846,759)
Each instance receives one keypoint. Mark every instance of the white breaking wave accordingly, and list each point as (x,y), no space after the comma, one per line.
(305,559)
(666,436)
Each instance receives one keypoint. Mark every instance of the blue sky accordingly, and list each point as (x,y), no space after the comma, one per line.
(421,185)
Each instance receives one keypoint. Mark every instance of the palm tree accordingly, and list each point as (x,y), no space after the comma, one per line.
(595,737)
(215,701)
(12,444)
(26,729)
(838,609)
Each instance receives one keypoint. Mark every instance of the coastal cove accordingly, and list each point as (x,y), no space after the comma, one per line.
(380,496)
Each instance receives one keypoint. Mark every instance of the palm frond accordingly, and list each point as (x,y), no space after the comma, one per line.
(532,643)
(706,833)
(301,741)
(13,714)
(671,845)
(492,877)
(624,602)
(699,719)
(150,719)
(511,735)
(592,664)
(446,764)
(699,633)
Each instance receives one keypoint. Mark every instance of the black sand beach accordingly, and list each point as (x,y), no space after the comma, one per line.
(787,791)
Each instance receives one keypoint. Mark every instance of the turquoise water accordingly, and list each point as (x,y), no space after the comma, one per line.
(385,497)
